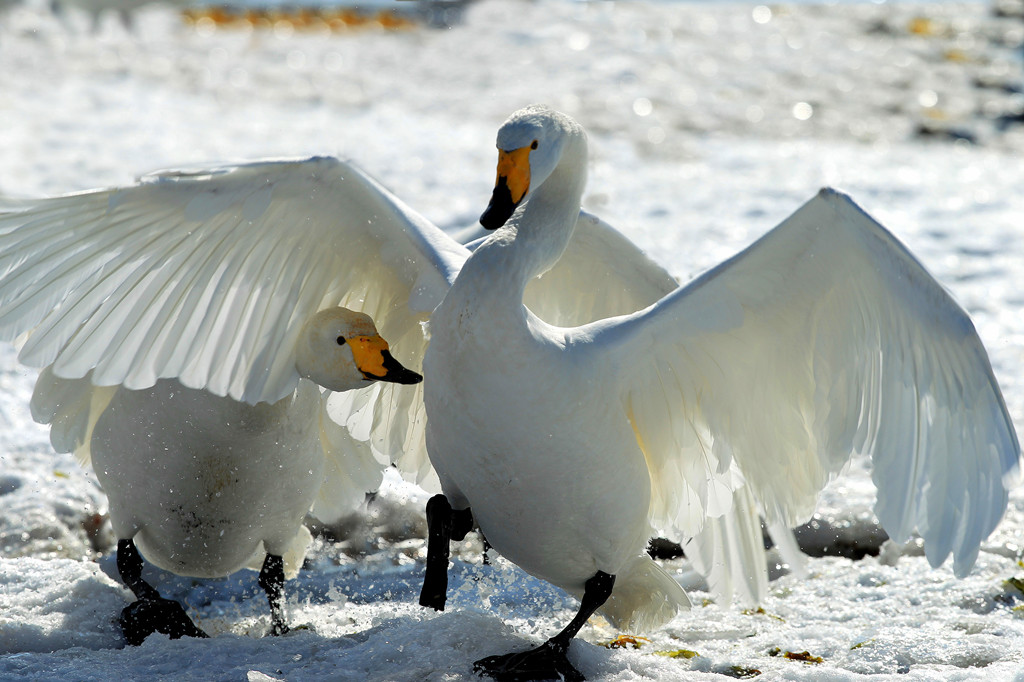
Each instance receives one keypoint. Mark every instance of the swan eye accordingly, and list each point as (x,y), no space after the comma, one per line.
(341,340)
(533,145)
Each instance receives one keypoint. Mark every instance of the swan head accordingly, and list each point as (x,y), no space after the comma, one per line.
(531,144)
(340,350)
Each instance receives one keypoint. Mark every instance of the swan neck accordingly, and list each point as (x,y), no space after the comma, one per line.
(548,219)
(532,241)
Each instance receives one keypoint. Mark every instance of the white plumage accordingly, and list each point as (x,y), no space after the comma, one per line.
(197,479)
(824,338)
(204,485)
(187,472)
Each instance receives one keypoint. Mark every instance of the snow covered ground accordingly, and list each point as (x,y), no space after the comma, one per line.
(709,124)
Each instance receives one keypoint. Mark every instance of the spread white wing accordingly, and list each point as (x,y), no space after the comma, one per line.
(824,338)
(600,274)
(209,276)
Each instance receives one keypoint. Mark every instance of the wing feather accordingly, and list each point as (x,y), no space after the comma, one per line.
(729,551)
(600,274)
(208,276)
(824,338)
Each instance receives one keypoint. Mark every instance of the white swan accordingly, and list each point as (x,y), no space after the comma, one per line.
(823,338)
(180,465)
(204,485)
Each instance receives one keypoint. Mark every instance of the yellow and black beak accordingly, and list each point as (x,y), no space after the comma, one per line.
(510,187)
(376,363)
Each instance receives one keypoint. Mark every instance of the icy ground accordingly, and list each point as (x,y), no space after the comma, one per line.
(709,124)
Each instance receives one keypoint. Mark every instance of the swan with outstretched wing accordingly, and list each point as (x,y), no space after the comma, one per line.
(186,331)
(567,440)
(567,444)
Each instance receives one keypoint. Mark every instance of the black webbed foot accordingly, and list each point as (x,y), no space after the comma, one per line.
(144,617)
(546,662)
(151,613)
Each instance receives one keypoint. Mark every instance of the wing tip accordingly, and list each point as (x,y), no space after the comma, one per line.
(836,196)
(842,203)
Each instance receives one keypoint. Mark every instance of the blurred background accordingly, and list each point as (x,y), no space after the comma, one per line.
(656,73)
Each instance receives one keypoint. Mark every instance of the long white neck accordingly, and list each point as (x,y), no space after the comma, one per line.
(537,234)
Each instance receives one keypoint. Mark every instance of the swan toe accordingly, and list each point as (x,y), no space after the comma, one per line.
(144,617)
(546,662)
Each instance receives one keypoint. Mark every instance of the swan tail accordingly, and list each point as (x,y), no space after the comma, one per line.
(296,552)
(644,597)
(293,555)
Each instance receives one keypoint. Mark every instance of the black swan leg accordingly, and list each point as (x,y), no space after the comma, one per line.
(443,525)
(272,581)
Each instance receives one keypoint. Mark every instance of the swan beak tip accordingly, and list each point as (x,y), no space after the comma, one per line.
(501,207)
(511,187)
(395,372)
